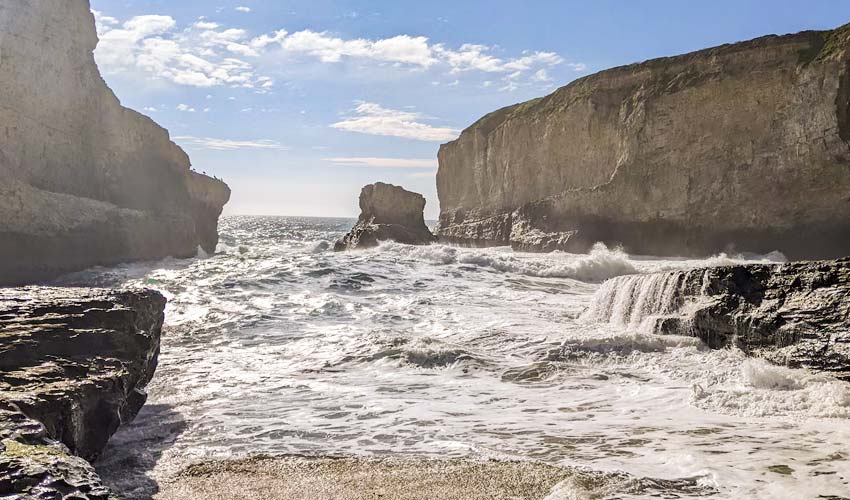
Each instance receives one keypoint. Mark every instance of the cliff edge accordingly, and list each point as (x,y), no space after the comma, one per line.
(74,363)
(83,180)
(740,147)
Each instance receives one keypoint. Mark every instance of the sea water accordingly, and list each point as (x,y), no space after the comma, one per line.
(277,345)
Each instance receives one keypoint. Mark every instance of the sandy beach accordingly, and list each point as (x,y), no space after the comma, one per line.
(304,478)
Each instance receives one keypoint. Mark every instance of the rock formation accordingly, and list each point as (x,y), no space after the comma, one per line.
(83,180)
(73,367)
(742,146)
(388,212)
(795,314)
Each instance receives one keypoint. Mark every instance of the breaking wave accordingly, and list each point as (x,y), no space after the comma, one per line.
(600,264)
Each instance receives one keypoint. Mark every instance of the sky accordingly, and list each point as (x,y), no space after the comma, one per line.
(298,104)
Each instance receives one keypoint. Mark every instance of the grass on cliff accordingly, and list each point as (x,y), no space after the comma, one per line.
(829,44)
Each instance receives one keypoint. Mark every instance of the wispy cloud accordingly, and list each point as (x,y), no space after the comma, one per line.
(227,144)
(384,162)
(374,119)
(424,175)
(242,8)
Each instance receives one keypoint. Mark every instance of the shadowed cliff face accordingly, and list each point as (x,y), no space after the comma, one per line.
(85,181)
(742,147)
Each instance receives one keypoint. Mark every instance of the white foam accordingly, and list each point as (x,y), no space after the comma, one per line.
(600,264)
(755,388)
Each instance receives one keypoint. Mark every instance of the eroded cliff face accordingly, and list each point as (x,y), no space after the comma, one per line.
(83,180)
(742,147)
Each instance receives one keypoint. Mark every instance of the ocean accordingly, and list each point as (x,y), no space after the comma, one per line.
(277,345)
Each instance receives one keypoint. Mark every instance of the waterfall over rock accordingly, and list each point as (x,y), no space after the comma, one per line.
(640,301)
(792,314)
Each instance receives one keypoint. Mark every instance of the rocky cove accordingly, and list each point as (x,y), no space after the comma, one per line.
(334,354)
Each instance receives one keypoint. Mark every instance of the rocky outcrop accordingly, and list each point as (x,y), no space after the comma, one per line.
(743,146)
(388,212)
(795,314)
(73,367)
(83,180)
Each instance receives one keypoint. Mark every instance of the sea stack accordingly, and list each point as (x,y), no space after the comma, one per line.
(742,147)
(388,212)
(85,181)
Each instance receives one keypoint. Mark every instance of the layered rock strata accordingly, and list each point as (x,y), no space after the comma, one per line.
(388,212)
(73,367)
(795,314)
(742,146)
(83,180)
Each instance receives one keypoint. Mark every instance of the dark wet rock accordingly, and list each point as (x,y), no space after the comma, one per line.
(32,465)
(73,367)
(795,314)
(387,212)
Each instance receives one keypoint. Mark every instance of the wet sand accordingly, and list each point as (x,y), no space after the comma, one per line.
(304,478)
(296,478)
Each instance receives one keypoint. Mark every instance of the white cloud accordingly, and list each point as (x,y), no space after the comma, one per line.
(227,144)
(202,55)
(185,108)
(374,119)
(541,76)
(401,49)
(242,8)
(384,162)
(206,25)
(206,54)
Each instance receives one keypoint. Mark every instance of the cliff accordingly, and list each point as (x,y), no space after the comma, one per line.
(388,212)
(743,146)
(73,367)
(83,180)
(793,314)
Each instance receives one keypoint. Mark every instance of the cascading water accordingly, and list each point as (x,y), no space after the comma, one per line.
(637,302)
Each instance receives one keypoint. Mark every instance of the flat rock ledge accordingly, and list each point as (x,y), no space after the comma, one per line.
(388,212)
(73,366)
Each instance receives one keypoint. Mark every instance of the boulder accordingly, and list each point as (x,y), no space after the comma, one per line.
(73,367)
(741,147)
(388,212)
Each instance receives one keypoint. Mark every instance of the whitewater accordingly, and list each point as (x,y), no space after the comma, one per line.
(277,345)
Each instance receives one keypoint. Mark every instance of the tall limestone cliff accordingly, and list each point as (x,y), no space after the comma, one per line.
(743,146)
(83,180)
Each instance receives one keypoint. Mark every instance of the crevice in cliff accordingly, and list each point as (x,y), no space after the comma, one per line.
(842,103)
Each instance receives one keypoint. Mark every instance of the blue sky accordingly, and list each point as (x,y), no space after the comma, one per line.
(298,104)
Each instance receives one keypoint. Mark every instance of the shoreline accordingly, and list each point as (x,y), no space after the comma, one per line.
(295,477)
